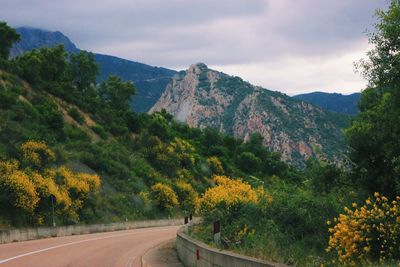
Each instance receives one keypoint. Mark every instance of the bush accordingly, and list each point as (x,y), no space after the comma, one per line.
(234,203)
(164,196)
(76,115)
(98,129)
(367,234)
(188,197)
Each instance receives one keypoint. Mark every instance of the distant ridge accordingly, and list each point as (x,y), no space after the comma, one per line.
(150,81)
(346,104)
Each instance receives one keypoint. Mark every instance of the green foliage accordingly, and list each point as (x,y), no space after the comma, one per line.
(98,129)
(187,196)
(83,70)
(374,134)
(76,115)
(116,94)
(45,68)
(164,196)
(8,36)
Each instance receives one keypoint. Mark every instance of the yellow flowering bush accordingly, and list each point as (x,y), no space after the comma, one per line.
(368,233)
(31,186)
(227,192)
(188,197)
(164,196)
(17,182)
(234,203)
(36,153)
(215,165)
(181,152)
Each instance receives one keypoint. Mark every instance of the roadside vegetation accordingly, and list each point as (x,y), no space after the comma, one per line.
(68,141)
(326,216)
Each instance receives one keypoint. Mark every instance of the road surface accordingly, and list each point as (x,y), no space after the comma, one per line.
(120,248)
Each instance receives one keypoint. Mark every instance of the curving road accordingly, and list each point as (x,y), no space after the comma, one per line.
(121,248)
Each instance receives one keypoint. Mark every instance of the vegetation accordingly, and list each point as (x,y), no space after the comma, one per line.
(153,166)
(150,165)
(367,234)
(290,228)
(8,36)
(335,102)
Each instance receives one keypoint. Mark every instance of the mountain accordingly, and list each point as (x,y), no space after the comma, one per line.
(32,38)
(298,130)
(346,104)
(149,81)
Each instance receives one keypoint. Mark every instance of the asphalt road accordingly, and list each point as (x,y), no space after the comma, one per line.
(121,248)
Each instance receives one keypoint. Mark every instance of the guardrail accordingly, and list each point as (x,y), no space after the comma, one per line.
(23,234)
(197,254)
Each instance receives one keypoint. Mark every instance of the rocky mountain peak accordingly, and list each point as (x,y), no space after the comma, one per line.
(203,98)
(197,68)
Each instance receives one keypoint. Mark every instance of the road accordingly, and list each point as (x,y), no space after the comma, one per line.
(120,248)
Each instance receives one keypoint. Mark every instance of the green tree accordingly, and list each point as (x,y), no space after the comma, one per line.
(8,36)
(116,93)
(84,70)
(249,162)
(27,66)
(45,68)
(54,63)
(374,135)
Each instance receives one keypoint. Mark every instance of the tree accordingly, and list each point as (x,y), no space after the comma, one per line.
(374,135)
(54,63)
(116,93)
(8,36)
(45,68)
(83,70)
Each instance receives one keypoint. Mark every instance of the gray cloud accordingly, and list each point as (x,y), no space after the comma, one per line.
(235,35)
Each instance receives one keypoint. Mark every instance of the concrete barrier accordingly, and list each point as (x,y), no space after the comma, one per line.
(23,234)
(197,254)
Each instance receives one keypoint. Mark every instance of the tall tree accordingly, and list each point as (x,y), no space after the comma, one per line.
(84,70)
(374,135)
(8,36)
(116,93)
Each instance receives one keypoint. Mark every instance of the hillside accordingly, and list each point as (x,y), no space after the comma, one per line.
(346,104)
(150,81)
(137,156)
(204,98)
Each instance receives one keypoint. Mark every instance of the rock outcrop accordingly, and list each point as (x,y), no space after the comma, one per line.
(203,98)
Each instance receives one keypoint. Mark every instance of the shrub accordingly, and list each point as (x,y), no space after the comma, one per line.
(76,115)
(98,129)
(368,233)
(215,165)
(188,197)
(164,196)
(234,203)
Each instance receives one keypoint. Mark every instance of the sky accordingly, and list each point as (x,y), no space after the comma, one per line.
(292,46)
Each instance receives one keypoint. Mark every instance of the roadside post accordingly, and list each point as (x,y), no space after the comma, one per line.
(217,232)
(190,220)
(186,225)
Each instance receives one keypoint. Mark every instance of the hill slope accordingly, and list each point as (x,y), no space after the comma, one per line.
(203,97)
(150,81)
(144,151)
(346,104)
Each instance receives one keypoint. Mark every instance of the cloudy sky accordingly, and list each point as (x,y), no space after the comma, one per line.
(293,46)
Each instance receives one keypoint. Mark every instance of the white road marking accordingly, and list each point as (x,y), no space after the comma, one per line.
(74,243)
(130,262)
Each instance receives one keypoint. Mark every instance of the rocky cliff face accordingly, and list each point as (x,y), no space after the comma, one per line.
(206,98)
